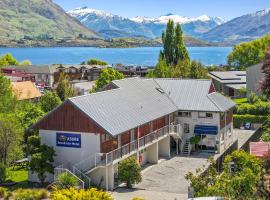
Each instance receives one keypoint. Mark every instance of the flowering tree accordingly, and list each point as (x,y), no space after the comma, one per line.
(265,83)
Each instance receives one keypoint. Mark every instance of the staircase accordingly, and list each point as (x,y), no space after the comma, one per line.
(186,149)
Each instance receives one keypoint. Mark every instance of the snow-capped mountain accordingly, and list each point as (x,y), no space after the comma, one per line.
(244,28)
(110,25)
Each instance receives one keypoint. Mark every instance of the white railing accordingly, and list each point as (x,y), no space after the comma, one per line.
(132,147)
(60,170)
(91,162)
(82,176)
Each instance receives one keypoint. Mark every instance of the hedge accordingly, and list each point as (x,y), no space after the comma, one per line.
(258,108)
(239,120)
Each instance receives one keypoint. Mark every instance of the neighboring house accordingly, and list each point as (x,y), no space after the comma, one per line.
(25,90)
(15,75)
(254,76)
(41,75)
(82,87)
(259,149)
(80,72)
(146,118)
(229,82)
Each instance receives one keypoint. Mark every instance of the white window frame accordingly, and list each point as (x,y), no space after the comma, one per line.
(204,115)
(184,114)
(186,128)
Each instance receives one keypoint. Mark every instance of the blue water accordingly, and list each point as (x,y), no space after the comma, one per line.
(146,56)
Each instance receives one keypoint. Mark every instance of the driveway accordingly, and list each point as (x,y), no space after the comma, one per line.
(164,181)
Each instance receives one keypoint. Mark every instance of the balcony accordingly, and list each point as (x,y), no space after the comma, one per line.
(129,149)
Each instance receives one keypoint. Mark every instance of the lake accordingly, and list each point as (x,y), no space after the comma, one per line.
(146,56)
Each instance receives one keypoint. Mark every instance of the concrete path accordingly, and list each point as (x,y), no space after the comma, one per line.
(164,181)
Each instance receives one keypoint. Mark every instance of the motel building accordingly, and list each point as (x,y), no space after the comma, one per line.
(147,118)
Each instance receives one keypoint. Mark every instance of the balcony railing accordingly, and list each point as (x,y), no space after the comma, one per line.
(126,150)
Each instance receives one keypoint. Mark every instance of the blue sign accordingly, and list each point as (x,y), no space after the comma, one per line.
(68,140)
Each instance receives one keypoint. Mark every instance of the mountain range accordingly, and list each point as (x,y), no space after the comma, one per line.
(112,26)
(241,29)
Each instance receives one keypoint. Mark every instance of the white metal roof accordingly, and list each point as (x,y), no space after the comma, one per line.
(229,76)
(135,102)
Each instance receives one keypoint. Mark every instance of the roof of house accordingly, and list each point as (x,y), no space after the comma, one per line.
(237,86)
(229,76)
(25,90)
(35,69)
(193,94)
(136,102)
(259,149)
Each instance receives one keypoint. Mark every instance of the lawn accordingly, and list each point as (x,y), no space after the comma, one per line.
(20,176)
(240,101)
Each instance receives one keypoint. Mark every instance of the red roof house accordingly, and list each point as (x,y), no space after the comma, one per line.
(259,149)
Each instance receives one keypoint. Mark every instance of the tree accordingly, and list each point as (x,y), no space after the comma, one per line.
(96,62)
(106,76)
(241,183)
(10,137)
(162,70)
(7,98)
(197,70)
(265,83)
(7,60)
(64,89)
(49,101)
(129,171)
(249,53)
(41,158)
(25,63)
(174,49)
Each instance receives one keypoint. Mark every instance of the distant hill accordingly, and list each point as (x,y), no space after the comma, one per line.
(114,26)
(241,29)
(38,19)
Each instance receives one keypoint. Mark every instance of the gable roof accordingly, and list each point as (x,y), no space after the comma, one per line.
(135,102)
(25,90)
(193,95)
(35,69)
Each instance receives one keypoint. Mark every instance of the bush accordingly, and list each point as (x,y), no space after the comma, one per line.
(239,120)
(130,171)
(3,172)
(258,108)
(28,194)
(74,194)
(3,192)
(66,180)
(96,62)
(138,198)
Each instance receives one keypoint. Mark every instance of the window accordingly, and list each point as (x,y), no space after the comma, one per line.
(105,137)
(205,115)
(186,128)
(184,114)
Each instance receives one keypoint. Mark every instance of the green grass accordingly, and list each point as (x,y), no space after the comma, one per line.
(20,176)
(240,101)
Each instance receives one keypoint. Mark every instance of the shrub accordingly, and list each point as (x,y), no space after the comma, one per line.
(74,194)
(3,172)
(3,192)
(138,198)
(28,194)
(239,120)
(130,171)
(258,108)
(66,180)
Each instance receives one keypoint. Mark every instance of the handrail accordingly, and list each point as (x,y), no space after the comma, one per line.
(91,162)
(58,171)
(82,176)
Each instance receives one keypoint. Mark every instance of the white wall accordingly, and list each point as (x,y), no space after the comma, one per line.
(90,144)
(164,147)
(195,120)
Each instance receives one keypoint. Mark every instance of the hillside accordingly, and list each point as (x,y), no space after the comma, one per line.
(38,19)
(241,29)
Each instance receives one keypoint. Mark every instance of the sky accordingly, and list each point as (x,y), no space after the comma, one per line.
(227,9)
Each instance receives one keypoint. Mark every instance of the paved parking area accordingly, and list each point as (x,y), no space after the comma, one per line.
(164,181)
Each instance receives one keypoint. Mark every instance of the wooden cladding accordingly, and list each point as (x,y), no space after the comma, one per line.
(69,118)
(229,119)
